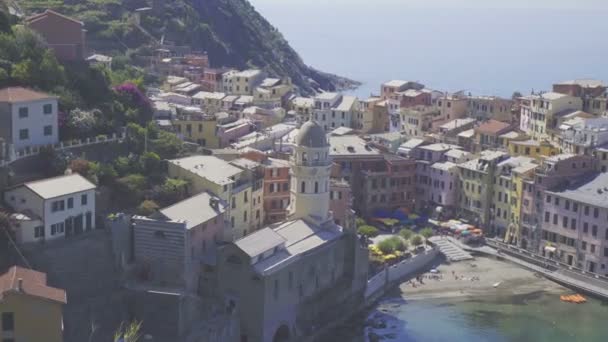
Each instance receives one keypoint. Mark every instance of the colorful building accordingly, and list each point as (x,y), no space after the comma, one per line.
(30,310)
(197,128)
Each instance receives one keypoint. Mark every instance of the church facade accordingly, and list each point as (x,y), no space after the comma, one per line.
(288,280)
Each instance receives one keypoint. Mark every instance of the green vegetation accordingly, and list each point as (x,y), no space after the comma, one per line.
(406,234)
(416,240)
(128,332)
(147,208)
(368,231)
(392,244)
(232,32)
(427,232)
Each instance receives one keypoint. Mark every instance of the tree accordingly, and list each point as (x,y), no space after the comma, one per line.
(386,246)
(81,123)
(360,222)
(417,240)
(516,95)
(168,145)
(128,332)
(150,163)
(398,243)
(129,190)
(368,231)
(173,190)
(426,232)
(406,234)
(80,166)
(147,208)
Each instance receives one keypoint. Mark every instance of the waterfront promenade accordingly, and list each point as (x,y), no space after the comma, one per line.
(594,285)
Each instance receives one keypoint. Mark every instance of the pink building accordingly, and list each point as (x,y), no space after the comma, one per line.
(574,224)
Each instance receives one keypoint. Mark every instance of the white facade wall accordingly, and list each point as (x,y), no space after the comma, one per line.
(35,123)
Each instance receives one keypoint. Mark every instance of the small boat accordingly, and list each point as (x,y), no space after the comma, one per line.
(497,284)
(576,298)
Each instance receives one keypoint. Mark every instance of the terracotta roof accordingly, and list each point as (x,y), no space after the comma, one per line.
(39,16)
(33,284)
(493,127)
(20,94)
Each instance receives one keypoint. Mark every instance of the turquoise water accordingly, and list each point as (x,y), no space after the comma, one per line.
(536,318)
(490,47)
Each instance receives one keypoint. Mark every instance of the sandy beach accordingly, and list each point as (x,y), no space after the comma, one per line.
(486,273)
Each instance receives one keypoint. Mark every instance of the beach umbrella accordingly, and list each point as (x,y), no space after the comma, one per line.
(465,232)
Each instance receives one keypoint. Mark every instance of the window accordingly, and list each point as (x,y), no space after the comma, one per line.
(596,212)
(23,112)
(48,130)
(585,227)
(547,215)
(303,187)
(24,134)
(233,202)
(554,218)
(594,230)
(316,187)
(285,186)
(70,203)
(232,222)
(567,205)
(8,321)
(83,200)
(47,109)
(575,207)
(245,198)
(57,206)
(565,222)
(39,232)
(587,210)
(573,224)
(245,216)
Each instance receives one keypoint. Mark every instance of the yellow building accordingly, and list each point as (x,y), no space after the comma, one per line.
(239,186)
(531,148)
(198,128)
(508,192)
(29,309)
(373,116)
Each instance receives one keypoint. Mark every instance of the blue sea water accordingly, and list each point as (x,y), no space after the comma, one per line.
(490,47)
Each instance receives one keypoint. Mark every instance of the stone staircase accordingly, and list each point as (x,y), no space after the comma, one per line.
(451,251)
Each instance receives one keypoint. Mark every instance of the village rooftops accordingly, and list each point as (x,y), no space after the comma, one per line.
(585,83)
(342,130)
(444,166)
(482,163)
(390,136)
(493,127)
(212,168)
(510,135)
(412,143)
(270,82)
(19,280)
(245,164)
(560,157)
(346,104)
(274,162)
(303,102)
(439,147)
(396,83)
(456,124)
(546,96)
(175,80)
(351,145)
(248,73)
(273,248)
(594,191)
(326,96)
(20,94)
(457,154)
(195,210)
(467,134)
(60,186)
(203,95)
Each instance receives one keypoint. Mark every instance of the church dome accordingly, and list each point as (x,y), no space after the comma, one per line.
(312,135)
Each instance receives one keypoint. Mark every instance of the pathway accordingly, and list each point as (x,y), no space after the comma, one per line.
(451,250)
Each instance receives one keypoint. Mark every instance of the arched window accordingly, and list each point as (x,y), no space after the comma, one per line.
(316,156)
(303,187)
(316,187)
(304,156)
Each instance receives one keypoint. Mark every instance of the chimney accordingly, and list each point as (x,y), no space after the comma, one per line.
(20,284)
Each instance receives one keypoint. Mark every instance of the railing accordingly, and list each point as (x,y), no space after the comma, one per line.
(545,260)
(15,155)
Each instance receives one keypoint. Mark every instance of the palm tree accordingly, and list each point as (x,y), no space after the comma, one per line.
(129,332)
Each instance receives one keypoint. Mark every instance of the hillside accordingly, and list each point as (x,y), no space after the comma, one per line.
(231,31)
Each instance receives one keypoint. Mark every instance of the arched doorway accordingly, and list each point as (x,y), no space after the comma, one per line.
(282,334)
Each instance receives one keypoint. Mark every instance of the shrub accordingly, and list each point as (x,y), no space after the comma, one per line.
(147,208)
(427,232)
(398,243)
(368,231)
(386,246)
(406,234)
(417,240)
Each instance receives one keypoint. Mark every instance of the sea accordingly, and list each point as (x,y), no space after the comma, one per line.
(485,47)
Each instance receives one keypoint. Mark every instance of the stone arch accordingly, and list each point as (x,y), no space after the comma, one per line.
(282,334)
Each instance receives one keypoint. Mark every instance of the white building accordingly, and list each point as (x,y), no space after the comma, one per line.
(57,207)
(28,118)
(581,135)
(334,110)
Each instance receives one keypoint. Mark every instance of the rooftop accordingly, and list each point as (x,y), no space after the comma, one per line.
(291,239)
(208,95)
(456,153)
(195,210)
(510,135)
(351,145)
(547,96)
(244,163)
(60,186)
(212,168)
(249,73)
(270,82)
(585,83)
(395,83)
(391,136)
(412,143)
(445,166)
(467,134)
(347,103)
(33,283)
(303,102)
(593,191)
(342,130)
(457,123)
(439,147)
(326,96)
(493,127)
(20,94)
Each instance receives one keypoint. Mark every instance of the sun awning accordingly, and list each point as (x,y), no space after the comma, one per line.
(550,249)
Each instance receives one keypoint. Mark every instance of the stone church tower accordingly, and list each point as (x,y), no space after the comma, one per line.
(310,173)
